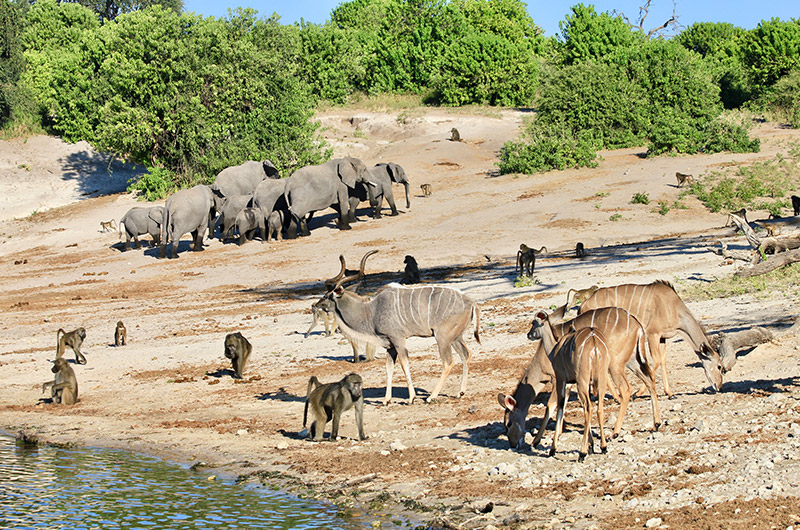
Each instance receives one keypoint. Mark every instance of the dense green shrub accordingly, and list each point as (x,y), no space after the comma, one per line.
(719,44)
(331,61)
(542,148)
(11,58)
(782,101)
(589,35)
(178,92)
(771,50)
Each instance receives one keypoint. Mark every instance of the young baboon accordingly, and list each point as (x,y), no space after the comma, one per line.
(580,252)
(739,213)
(426,190)
(683,178)
(581,295)
(329,319)
(120,334)
(73,339)
(411,274)
(796,205)
(237,349)
(64,386)
(105,226)
(526,259)
(454,135)
(330,401)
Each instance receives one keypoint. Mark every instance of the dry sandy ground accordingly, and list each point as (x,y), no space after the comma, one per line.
(721,460)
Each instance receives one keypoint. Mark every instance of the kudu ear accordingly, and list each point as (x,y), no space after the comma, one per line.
(338,290)
(540,315)
(507,402)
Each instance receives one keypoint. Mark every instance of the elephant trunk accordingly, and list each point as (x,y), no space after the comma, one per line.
(408,202)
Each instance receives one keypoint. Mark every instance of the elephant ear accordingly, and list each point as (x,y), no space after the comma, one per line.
(395,172)
(270,170)
(347,172)
(156,214)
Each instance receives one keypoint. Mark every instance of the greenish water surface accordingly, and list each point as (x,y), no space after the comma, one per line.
(87,488)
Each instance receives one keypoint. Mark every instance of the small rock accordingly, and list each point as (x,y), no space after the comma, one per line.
(628,438)
(698,425)
(283,444)
(397,445)
(654,522)
(633,503)
(385,453)
(242,432)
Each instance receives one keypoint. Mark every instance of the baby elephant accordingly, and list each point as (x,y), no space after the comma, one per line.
(247,221)
(237,349)
(275,225)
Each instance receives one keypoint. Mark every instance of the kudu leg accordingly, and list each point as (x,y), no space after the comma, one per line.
(465,355)
(446,354)
(548,412)
(649,383)
(601,417)
(391,359)
(618,376)
(561,392)
(587,445)
(397,351)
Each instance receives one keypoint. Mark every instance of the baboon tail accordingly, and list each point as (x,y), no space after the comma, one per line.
(305,413)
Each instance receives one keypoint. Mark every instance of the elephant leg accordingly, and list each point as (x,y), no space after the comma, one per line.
(136,243)
(390,200)
(352,210)
(344,216)
(127,242)
(197,237)
(377,204)
(292,225)
(304,226)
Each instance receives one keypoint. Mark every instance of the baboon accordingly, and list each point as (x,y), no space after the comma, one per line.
(120,334)
(317,313)
(683,178)
(411,274)
(581,295)
(454,135)
(526,259)
(73,339)
(426,190)
(105,226)
(330,401)
(64,386)
(237,349)
(580,252)
(796,205)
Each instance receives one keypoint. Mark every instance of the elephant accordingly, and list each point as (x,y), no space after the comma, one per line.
(187,211)
(141,220)
(275,224)
(381,176)
(228,210)
(314,188)
(247,221)
(242,179)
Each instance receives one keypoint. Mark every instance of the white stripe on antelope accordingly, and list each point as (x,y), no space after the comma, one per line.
(396,313)
(663,315)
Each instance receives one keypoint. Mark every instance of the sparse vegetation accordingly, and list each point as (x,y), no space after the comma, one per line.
(663,208)
(640,198)
(615,217)
(526,281)
(784,280)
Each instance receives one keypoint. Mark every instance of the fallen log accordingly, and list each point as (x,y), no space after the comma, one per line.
(734,254)
(774,245)
(728,344)
(778,260)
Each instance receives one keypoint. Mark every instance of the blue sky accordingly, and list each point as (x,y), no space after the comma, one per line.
(547,14)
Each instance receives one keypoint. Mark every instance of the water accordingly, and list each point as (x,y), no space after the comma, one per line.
(86,488)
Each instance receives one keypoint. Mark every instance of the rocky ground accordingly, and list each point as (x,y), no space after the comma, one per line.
(721,460)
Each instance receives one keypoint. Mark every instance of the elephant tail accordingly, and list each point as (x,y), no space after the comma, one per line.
(119,228)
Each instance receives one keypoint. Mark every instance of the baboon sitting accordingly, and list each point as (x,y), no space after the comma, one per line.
(454,135)
(411,274)
(105,226)
(329,401)
(64,386)
(526,259)
(237,349)
(683,178)
(580,251)
(796,205)
(426,190)
(120,334)
(73,339)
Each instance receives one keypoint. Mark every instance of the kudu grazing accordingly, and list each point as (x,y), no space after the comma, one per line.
(663,315)
(396,313)
(625,339)
(581,357)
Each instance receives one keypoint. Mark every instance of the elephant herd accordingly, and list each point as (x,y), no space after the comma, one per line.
(252,197)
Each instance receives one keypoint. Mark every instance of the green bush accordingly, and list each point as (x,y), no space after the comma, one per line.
(587,35)
(542,148)
(156,184)
(640,198)
(770,51)
(782,101)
